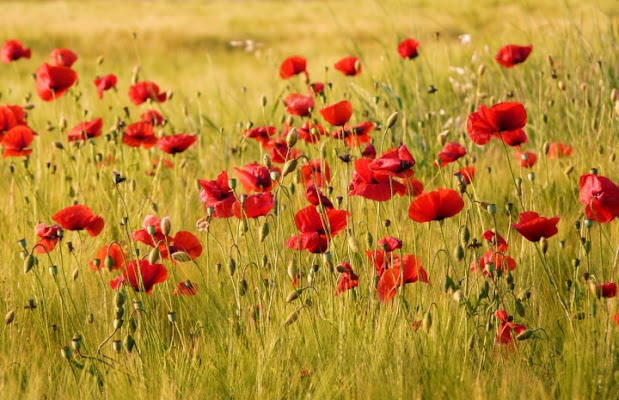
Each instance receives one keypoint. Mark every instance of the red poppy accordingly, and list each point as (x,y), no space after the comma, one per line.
(316,198)
(500,261)
(297,104)
(254,206)
(86,130)
(52,82)
(608,289)
(13,50)
(468,173)
(143,236)
(514,138)
(164,161)
(371,185)
(79,217)
(533,227)
(218,195)
(600,195)
(512,54)
(280,152)
(316,172)
(558,150)
(260,133)
(497,241)
(504,333)
(142,91)
(114,251)
(527,159)
(616,319)
(16,141)
(187,288)
(293,66)
(381,259)
(10,117)
(105,83)
(414,186)
(62,58)
(450,153)
(140,134)
(408,49)
(394,163)
(348,279)
(349,66)
(405,270)
(178,143)
(500,120)
(255,178)
(390,243)
(355,136)
(153,117)
(186,242)
(309,132)
(369,152)
(337,114)
(142,276)
(317,230)
(435,206)
(50,235)
(317,87)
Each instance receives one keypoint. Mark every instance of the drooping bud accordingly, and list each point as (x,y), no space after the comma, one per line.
(292,296)
(266,161)
(391,121)
(153,256)
(76,342)
(292,317)
(293,270)
(427,322)
(129,342)
(118,323)
(465,235)
(166,226)
(459,253)
(524,335)
(10,317)
(289,167)
(117,346)
(264,231)
(353,244)
(172,317)
(520,310)
(369,239)
(544,244)
(151,229)
(29,262)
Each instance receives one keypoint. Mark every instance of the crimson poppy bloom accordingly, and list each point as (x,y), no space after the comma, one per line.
(297,104)
(15,141)
(498,243)
(408,49)
(527,159)
(337,114)
(405,270)
(187,288)
(62,58)
(468,173)
(435,206)
(349,66)
(512,54)
(254,206)
(317,230)
(316,198)
(142,91)
(140,134)
(218,195)
(186,242)
(178,143)
(533,227)
(357,135)
(142,235)
(309,132)
(394,163)
(52,82)
(262,134)
(371,185)
(114,251)
(500,261)
(450,153)
(13,50)
(50,235)
(153,117)
(317,87)
(280,152)
(348,279)
(86,130)
(514,138)
(255,178)
(390,243)
(316,172)
(500,120)
(141,275)
(504,332)
(381,259)
(369,152)
(10,117)
(558,150)
(79,217)
(608,289)
(293,66)
(164,161)
(600,195)
(104,83)
(414,186)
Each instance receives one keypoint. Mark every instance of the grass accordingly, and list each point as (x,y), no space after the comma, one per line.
(350,346)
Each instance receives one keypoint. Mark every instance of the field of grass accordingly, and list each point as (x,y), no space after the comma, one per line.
(249,332)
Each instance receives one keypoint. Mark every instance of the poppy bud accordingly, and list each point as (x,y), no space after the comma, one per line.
(369,240)
(491,209)
(31,304)
(575,262)
(232,183)
(117,346)
(520,310)
(53,270)
(490,268)
(293,270)
(172,317)
(289,167)
(119,299)
(243,287)
(561,85)
(10,316)
(231,266)
(118,323)
(293,316)
(465,235)
(137,305)
(129,342)
(151,229)
(457,296)
(76,342)
(588,223)
(109,263)
(550,60)
(29,262)
(275,175)
(568,170)
(524,335)
(263,100)
(264,231)
(292,137)
(427,321)
(210,211)
(91,318)
(391,121)
(544,244)
(461,186)
(531,176)
(438,162)
(119,312)
(166,226)
(546,147)
(265,261)
(292,296)
(76,274)
(266,161)
(353,243)
(327,259)
(442,137)
(153,256)
(459,253)
(65,352)
(481,69)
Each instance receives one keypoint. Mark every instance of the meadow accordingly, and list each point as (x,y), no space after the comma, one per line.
(419,221)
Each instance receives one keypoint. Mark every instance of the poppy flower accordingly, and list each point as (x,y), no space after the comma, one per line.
(405,270)
(337,114)
(608,289)
(348,279)
(114,251)
(371,185)
(297,104)
(280,152)
(16,141)
(408,48)
(164,161)
(140,134)
(79,217)
(369,152)
(13,50)
(293,66)
(381,259)
(309,132)
(500,261)
(468,173)
(317,230)
(558,150)
(316,172)
(514,138)
(435,206)
(450,153)
(86,130)
(504,332)
(500,120)
(497,241)
(316,198)
(105,83)
(62,58)
(262,134)
(527,159)
(349,66)
(186,242)
(394,163)
(357,135)
(178,143)
(414,186)
(218,195)
(153,117)
(151,222)
(254,206)
(50,235)
(52,82)
(616,319)
(10,117)
(142,91)
(600,195)
(533,227)
(187,288)
(512,54)
(390,243)
(255,178)
(317,87)
(142,275)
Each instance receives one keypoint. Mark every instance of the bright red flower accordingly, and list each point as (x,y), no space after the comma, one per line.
(504,332)
(153,117)
(79,217)
(369,152)
(140,134)
(62,58)
(371,185)
(13,50)
(187,288)
(408,48)
(52,82)
(600,195)
(394,163)
(405,270)
(435,206)
(262,134)
(255,205)
(349,66)
(337,114)
(297,104)
(317,87)
(450,153)
(501,262)
(142,276)
(468,173)
(381,260)
(608,289)
(500,120)
(114,251)
(164,161)
(218,195)
(512,54)
(316,198)
(533,227)
(355,136)
(142,91)
(280,152)
(16,141)
(316,172)
(514,138)
(10,117)
(142,235)
(316,231)
(348,279)
(255,178)
(616,319)
(178,143)
(105,83)
(527,160)
(86,130)
(558,150)
(186,242)
(390,243)
(497,241)
(414,186)
(310,132)
(293,66)
(50,235)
